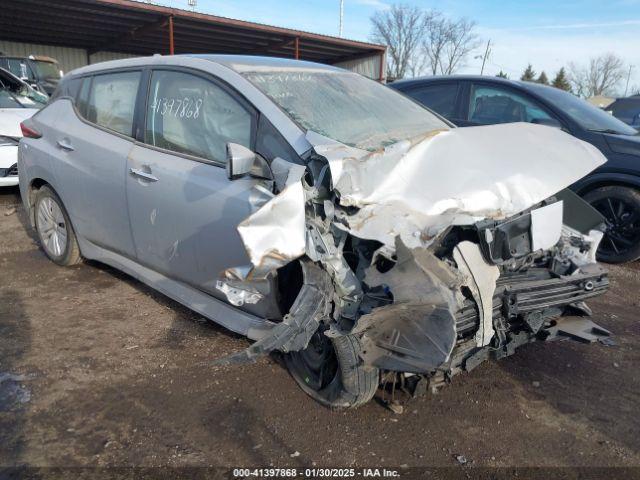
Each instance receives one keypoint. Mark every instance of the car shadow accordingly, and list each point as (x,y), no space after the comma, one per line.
(15,330)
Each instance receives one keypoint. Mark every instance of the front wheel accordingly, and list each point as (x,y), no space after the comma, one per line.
(330,371)
(621,208)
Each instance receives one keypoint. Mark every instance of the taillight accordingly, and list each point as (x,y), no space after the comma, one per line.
(29,132)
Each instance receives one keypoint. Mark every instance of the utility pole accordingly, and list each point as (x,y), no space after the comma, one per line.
(626,88)
(485,56)
(341,17)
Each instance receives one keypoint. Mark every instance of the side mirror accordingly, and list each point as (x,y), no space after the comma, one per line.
(241,162)
(549,122)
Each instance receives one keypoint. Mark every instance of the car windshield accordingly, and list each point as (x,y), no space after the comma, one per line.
(345,106)
(23,97)
(46,69)
(585,114)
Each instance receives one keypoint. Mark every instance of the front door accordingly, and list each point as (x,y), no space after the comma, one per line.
(183,209)
(494,104)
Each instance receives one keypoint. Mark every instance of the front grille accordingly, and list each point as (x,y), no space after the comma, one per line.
(519,294)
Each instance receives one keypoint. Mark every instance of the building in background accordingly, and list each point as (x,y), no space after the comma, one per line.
(600,101)
(80,32)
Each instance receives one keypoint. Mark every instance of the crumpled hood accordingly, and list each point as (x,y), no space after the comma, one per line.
(10,119)
(457,177)
(415,189)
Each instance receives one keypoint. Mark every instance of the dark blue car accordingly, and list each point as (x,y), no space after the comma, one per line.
(613,189)
(626,109)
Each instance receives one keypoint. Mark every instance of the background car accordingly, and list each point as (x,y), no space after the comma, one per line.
(613,189)
(626,109)
(42,73)
(18,101)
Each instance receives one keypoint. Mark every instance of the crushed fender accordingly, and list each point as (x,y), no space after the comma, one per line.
(311,307)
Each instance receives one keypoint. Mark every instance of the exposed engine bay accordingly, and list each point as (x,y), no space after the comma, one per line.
(437,253)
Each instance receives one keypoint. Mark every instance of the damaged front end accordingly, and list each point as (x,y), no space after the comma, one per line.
(435,253)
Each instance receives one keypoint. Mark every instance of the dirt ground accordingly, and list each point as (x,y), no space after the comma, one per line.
(96,369)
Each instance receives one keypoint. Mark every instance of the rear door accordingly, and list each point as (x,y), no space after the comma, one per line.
(91,146)
(183,209)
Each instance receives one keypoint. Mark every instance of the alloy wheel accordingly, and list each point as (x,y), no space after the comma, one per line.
(623,226)
(52,227)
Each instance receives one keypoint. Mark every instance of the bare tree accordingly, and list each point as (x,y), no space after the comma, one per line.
(600,77)
(400,28)
(462,40)
(447,42)
(422,40)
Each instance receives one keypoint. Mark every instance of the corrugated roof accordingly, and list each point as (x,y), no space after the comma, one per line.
(130,26)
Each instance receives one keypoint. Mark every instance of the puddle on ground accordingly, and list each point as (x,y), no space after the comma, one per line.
(13,394)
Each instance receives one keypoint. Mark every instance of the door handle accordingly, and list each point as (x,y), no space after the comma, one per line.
(65,145)
(142,174)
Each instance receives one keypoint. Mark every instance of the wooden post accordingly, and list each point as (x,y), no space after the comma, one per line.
(381,72)
(297,44)
(171,45)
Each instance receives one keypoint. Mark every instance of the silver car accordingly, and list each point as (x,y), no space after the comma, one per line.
(318,213)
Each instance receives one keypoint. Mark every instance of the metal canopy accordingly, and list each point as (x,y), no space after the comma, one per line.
(133,27)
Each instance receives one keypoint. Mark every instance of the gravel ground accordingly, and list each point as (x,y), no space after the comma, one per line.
(96,369)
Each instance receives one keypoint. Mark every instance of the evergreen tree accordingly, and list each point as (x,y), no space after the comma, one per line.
(561,81)
(529,74)
(501,74)
(543,78)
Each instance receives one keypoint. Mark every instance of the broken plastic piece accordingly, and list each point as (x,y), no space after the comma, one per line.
(481,279)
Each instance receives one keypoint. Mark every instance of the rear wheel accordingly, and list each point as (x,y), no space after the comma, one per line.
(57,238)
(621,208)
(330,370)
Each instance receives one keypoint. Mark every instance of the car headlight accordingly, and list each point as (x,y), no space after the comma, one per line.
(8,141)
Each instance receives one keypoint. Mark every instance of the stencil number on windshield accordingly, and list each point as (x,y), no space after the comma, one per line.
(186,107)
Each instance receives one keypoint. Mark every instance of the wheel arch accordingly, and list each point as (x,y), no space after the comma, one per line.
(590,183)
(34,186)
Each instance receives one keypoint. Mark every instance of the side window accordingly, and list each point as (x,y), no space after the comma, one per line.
(112,100)
(67,88)
(83,97)
(270,143)
(490,105)
(190,114)
(19,68)
(440,98)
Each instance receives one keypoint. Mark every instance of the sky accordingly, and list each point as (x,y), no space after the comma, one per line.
(548,34)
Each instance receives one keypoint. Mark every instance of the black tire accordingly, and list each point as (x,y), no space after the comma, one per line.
(621,207)
(348,382)
(66,252)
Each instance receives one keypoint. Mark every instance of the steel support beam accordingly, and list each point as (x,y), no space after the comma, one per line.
(172,49)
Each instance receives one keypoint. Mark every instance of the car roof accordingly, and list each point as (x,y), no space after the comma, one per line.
(243,63)
(238,63)
(633,100)
(485,78)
